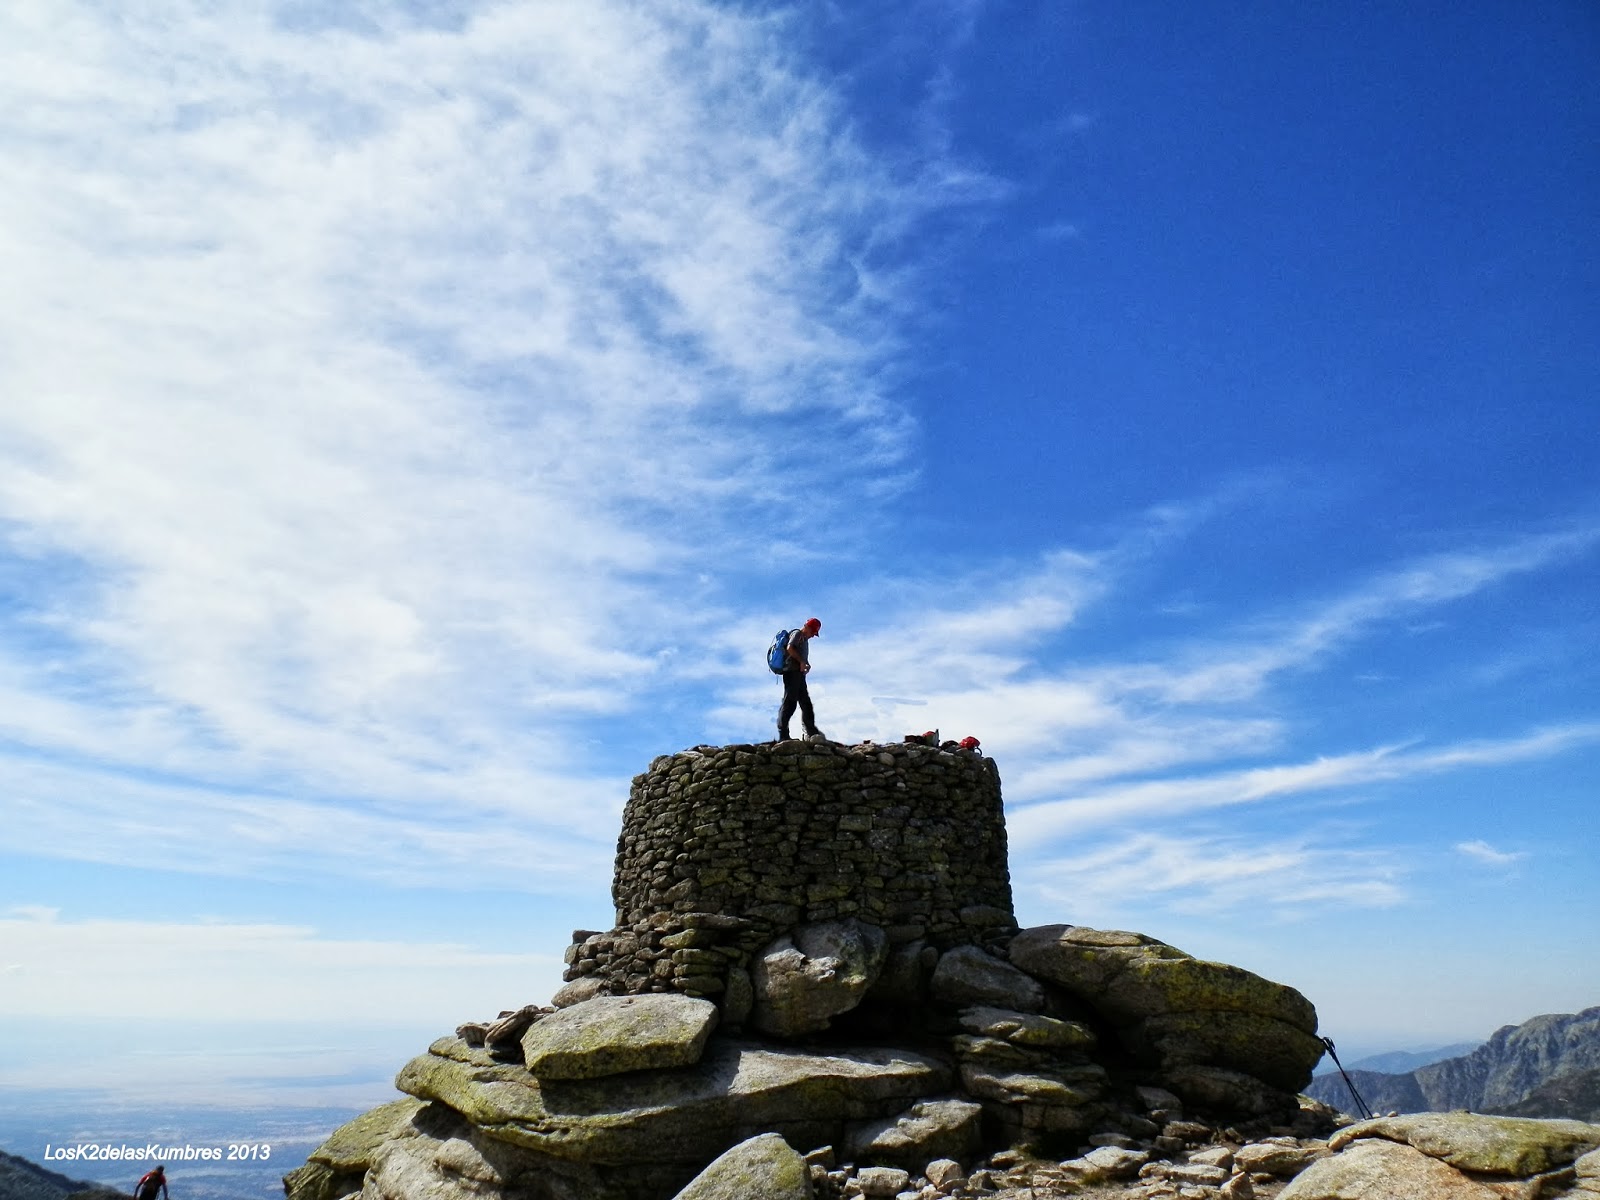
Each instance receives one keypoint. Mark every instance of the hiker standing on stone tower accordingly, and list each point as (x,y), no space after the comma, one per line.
(796,665)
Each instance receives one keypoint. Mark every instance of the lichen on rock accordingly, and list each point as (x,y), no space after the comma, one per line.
(1509,1146)
(761,1168)
(612,1035)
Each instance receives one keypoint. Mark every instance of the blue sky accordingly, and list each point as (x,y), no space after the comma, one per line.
(414,418)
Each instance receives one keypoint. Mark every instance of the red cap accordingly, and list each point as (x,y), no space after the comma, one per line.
(813,626)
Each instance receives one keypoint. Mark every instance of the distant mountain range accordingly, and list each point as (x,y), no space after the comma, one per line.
(1575,1095)
(24,1180)
(1398,1062)
(1546,1067)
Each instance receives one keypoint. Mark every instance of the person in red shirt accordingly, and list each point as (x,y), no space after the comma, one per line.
(153,1182)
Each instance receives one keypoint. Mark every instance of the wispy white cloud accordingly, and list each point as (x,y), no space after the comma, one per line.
(1143,799)
(518,832)
(1209,873)
(1483,852)
(1238,667)
(368,381)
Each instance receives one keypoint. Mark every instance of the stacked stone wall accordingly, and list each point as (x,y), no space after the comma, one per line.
(725,848)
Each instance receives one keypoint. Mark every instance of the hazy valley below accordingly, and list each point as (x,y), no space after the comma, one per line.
(31,1126)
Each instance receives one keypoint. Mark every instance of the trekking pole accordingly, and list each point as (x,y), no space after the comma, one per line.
(1361,1105)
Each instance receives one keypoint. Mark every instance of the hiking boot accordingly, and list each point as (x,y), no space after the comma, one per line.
(816,735)
(783,735)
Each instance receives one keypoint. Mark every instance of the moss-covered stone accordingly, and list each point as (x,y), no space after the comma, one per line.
(313,1181)
(1274,1051)
(350,1146)
(1069,1087)
(1173,1010)
(1129,976)
(687,1114)
(336,1167)
(762,1168)
(1588,1166)
(612,1035)
(1508,1146)
(1380,1170)
(1031,1030)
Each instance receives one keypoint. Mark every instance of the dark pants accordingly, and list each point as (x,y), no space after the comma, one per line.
(795,693)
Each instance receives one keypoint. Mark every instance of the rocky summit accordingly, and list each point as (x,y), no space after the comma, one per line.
(815,988)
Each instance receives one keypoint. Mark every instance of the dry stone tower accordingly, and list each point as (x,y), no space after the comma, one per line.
(725,848)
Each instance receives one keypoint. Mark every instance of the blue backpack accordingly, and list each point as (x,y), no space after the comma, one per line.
(778,652)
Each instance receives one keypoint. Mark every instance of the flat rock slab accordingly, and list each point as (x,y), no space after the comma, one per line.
(928,1131)
(1507,1146)
(879,1183)
(762,1168)
(1381,1170)
(1031,1030)
(612,1035)
(1105,1162)
(687,1114)
(1266,1158)
(1130,976)
(1057,1087)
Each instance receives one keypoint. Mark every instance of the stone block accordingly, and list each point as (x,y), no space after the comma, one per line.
(882,1181)
(931,1129)
(801,981)
(612,1035)
(968,976)
(762,1168)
